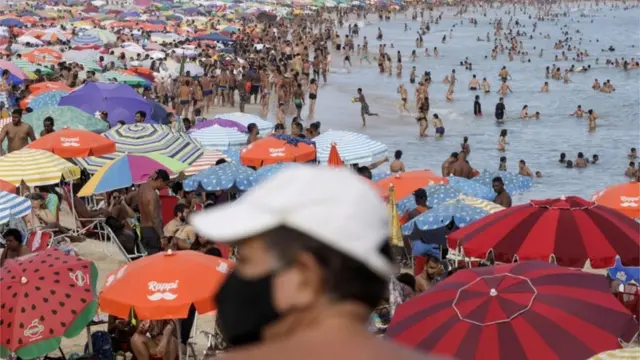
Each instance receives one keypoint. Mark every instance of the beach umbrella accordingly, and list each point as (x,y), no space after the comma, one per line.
(163,285)
(276,149)
(125,78)
(631,353)
(513,183)
(334,157)
(119,100)
(50,85)
(436,195)
(7,187)
(45,296)
(209,158)
(45,99)
(265,127)
(71,143)
(528,310)
(233,155)
(472,188)
(25,65)
(220,122)
(107,37)
(221,177)
(463,210)
(214,36)
(219,138)
(405,183)
(141,139)
(569,230)
(36,168)
(354,148)
(268,171)
(86,40)
(65,116)
(11,22)
(128,170)
(380,175)
(13,206)
(16,75)
(622,197)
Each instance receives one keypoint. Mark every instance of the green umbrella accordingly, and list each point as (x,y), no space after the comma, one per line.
(124,78)
(26,65)
(65,116)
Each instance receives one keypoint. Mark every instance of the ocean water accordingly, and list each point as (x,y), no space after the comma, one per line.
(539,142)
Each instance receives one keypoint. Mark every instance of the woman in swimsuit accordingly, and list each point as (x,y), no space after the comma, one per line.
(313,95)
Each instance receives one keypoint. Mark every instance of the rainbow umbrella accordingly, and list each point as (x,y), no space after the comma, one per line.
(127,170)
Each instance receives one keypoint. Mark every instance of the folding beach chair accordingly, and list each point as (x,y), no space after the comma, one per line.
(139,249)
(630,298)
(39,240)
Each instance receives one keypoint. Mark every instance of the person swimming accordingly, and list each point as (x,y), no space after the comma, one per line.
(563,158)
(397,165)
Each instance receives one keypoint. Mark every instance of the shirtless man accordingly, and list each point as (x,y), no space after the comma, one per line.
(280,115)
(502,196)
(184,98)
(461,168)
(504,87)
(446,165)
(474,84)
(504,74)
(403,96)
(580,162)
(524,169)
(17,133)
(578,113)
(545,87)
(592,119)
(150,215)
(486,87)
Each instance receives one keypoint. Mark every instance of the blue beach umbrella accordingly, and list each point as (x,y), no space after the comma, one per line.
(222,177)
(472,188)
(48,99)
(220,138)
(233,155)
(13,206)
(380,175)
(436,195)
(462,210)
(9,22)
(513,183)
(268,171)
(214,37)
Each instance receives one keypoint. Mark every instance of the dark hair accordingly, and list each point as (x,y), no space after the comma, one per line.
(121,122)
(179,209)
(279,126)
(407,279)
(344,278)
(364,172)
(315,125)
(177,187)
(454,155)
(214,251)
(252,126)
(14,233)
(398,154)
(49,119)
(298,126)
(17,112)
(580,155)
(497,179)
(142,114)
(221,161)
(161,174)
(503,158)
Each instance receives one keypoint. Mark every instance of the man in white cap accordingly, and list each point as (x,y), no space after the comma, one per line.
(313,263)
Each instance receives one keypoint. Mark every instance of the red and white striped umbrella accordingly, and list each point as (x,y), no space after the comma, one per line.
(207,159)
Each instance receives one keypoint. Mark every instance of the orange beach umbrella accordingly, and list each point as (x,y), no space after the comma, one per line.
(164,285)
(405,183)
(273,150)
(72,143)
(622,197)
(51,85)
(334,157)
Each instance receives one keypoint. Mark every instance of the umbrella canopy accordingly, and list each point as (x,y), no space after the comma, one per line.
(529,310)
(36,168)
(265,127)
(222,177)
(513,183)
(107,37)
(163,286)
(570,230)
(65,117)
(128,170)
(70,143)
(125,78)
(220,122)
(276,149)
(220,138)
(214,36)
(620,354)
(622,197)
(268,171)
(354,148)
(472,188)
(16,75)
(463,210)
(86,39)
(119,100)
(13,206)
(57,295)
(209,158)
(405,183)
(45,99)
(51,85)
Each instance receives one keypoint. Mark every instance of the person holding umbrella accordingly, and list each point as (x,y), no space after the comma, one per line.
(304,290)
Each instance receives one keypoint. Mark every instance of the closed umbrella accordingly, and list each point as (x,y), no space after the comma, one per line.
(334,157)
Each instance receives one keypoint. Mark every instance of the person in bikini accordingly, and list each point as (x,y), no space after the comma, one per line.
(437,123)
(403,96)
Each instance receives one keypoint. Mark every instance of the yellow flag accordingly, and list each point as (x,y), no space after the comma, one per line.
(394,219)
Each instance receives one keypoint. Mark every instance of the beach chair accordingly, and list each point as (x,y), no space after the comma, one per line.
(167,204)
(39,240)
(139,249)
(91,227)
(630,298)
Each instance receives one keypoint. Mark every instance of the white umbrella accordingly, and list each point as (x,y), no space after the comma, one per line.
(157,55)
(354,148)
(29,40)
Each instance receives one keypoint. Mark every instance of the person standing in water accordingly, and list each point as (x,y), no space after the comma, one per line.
(364,107)
(397,165)
(477,107)
(403,96)
(502,140)
(500,109)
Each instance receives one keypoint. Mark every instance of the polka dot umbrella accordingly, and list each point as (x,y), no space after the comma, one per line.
(436,195)
(222,177)
(513,183)
(45,296)
(47,99)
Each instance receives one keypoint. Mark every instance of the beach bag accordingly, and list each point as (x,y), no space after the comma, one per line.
(102,349)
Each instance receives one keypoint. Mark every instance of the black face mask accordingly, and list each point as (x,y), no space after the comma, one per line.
(245,307)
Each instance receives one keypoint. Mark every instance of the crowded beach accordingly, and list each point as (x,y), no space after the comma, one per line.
(296,180)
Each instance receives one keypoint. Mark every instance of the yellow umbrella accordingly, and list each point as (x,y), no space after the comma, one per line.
(488,206)
(620,354)
(36,168)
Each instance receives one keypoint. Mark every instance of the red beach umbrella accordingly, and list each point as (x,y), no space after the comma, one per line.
(529,310)
(570,230)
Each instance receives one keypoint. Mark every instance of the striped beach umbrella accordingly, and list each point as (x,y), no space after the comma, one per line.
(220,138)
(209,158)
(264,126)
(85,39)
(354,148)
(145,139)
(13,206)
(36,168)
(29,66)
(124,78)
(632,353)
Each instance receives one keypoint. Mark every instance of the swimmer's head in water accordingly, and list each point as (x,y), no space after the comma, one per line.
(497,184)
(569,164)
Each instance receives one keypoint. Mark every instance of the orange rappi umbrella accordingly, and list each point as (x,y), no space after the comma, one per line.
(164,285)
(405,183)
(52,85)
(334,157)
(277,149)
(622,197)
(71,143)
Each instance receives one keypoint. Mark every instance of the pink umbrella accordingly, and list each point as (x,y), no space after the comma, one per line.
(13,68)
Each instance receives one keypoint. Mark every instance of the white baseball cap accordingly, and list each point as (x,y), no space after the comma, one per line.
(334,206)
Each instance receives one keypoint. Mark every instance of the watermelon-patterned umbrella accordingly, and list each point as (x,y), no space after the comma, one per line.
(45,295)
